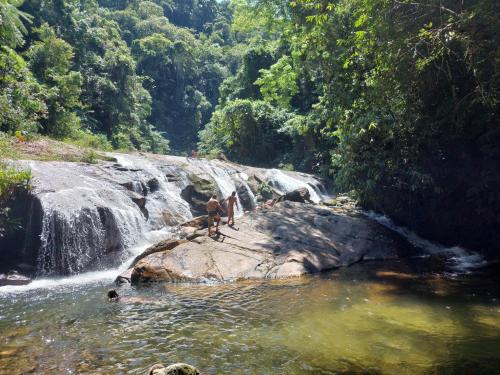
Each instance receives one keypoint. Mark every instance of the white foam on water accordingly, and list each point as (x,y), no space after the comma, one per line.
(87,215)
(285,183)
(83,215)
(225,178)
(85,278)
(168,196)
(459,259)
(86,211)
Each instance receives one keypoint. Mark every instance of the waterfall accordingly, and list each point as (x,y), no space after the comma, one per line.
(94,215)
(226,179)
(460,259)
(84,219)
(285,183)
(164,203)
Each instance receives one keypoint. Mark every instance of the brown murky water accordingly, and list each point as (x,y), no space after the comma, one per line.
(375,318)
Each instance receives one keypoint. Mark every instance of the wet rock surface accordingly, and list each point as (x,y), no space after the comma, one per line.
(81,217)
(175,369)
(198,192)
(13,278)
(287,240)
(300,195)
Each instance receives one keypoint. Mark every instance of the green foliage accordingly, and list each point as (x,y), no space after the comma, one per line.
(86,139)
(264,190)
(182,71)
(93,66)
(90,157)
(286,166)
(375,93)
(247,131)
(12,181)
(243,84)
(21,97)
(7,149)
(12,24)
(278,84)
(50,61)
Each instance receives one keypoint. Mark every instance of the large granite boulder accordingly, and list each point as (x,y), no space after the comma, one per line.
(301,195)
(289,239)
(198,192)
(246,199)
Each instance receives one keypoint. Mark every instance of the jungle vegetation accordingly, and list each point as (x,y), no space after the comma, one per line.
(394,100)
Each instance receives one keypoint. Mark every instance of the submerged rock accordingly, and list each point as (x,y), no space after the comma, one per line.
(175,369)
(124,277)
(13,278)
(289,239)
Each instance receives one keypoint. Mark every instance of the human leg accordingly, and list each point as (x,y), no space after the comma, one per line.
(218,219)
(210,219)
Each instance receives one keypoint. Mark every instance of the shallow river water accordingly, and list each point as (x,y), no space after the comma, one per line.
(373,318)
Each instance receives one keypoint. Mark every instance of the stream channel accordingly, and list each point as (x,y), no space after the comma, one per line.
(422,315)
(376,318)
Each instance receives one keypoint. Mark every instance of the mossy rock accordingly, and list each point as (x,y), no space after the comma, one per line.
(202,185)
(199,191)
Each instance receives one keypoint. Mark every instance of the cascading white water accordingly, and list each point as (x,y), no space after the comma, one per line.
(461,260)
(84,219)
(225,178)
(285,183)
(243,178)
(89,218)
(94,217)
(164,204)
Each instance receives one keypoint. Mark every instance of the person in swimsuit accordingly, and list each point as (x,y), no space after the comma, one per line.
(113,296)
(213,207)
(231,201)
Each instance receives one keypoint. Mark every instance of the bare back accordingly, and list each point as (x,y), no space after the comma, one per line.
(213,205)
(230,202)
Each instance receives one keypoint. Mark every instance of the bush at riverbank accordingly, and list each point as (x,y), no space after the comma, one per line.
(12,181)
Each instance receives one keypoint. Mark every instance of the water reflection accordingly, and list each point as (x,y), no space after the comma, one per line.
(377,318)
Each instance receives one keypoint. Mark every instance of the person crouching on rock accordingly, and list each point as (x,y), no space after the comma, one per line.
(213,207)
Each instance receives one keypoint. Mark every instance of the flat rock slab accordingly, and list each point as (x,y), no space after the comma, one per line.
(287,240)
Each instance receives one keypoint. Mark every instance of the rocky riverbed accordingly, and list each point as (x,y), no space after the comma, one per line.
(285,240)
(83,217)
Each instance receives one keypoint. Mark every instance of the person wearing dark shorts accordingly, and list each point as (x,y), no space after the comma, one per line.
(213,207)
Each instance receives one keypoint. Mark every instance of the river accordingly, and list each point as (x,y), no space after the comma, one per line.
(375,318)
(437,313)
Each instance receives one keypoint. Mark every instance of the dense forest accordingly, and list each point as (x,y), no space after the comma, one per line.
(394,100)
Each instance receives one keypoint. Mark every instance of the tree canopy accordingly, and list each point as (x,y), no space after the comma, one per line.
(394,100)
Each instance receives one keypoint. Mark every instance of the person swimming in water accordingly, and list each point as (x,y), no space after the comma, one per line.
(113,296)
(213,207)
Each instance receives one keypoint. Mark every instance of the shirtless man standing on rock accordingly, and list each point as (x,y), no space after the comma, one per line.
(230,207)
(213,207)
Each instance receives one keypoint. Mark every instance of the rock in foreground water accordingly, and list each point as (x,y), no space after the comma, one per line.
(13,278)
(175,369)
(287,240)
